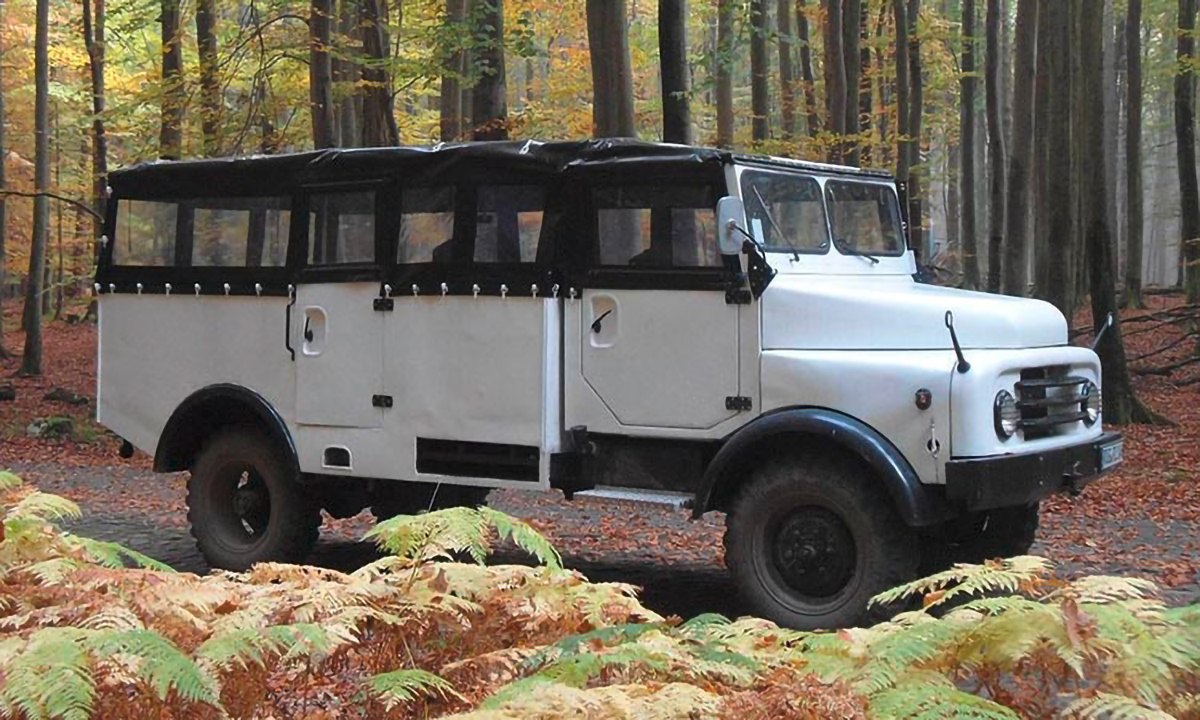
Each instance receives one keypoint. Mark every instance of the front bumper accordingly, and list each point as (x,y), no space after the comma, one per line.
(1007,480)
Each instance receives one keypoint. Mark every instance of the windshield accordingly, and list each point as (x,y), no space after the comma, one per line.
(785,211)
(865,218)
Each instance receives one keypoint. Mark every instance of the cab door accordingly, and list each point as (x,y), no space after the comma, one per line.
(336,331)
(659,343)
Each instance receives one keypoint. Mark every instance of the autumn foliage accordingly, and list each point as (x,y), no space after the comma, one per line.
(416,635)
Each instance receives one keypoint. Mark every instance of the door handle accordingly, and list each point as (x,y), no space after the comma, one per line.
(597,323)
(308,333)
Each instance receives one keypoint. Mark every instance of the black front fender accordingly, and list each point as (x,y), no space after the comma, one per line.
(210,409)
(916,504)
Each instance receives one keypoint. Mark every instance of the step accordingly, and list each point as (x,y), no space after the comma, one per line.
(674,500)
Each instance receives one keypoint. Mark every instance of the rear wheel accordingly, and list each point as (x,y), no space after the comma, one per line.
(812,540)
(410,498)
(245,507)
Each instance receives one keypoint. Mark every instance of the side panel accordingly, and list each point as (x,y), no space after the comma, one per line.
(156,350)
(876,388)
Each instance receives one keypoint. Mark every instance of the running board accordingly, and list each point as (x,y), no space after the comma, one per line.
(674,500)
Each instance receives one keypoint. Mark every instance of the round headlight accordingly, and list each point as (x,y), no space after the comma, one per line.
(1092,403)
(1007,414)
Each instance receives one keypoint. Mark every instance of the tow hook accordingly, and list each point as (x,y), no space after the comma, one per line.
(1071,480)
(126,450)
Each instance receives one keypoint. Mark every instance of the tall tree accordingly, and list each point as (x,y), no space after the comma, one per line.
(852,14)
(1133,155)
(1017,223)
(1185,148)
(612,74)
(723,71)
(3,186)
(320,73)
(676,78)
(489,103)
(835,76)
(813,118)
(345,67)
(760,96)
(94,41)
(787,80)
(1120,404)
(379,118)
(453,71)
(996,154)
(31,362)
(900,20)
(1055,280)
(1042,155)
(966,124)
(916,114)
(170,138)
(210,88)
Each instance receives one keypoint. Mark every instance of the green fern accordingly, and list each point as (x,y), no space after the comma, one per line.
(44,506)
(936,702)
(400,687)
(47,675)
(162,665)
(524,536)
(115,555)
(1106,706)
(436,535)
(9,481)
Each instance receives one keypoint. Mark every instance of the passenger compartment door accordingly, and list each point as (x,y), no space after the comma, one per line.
(336,332)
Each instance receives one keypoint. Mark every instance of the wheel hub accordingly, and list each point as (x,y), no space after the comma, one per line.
(814,552)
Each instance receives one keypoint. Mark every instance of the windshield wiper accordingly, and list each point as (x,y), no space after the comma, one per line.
(853,248)
(775,225)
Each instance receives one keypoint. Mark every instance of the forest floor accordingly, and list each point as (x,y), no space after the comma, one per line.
(1143,520)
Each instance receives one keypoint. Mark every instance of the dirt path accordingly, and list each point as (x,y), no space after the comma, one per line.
(677,562)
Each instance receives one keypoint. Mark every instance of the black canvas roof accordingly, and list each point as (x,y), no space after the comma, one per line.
(272,174)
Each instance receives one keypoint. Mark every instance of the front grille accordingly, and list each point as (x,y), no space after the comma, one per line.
(1048,398)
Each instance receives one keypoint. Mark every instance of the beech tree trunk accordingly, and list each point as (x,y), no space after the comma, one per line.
(450,105)
(1185,149)
(813,117)
(676,79)
(835,77)
(916,112)
(1133,155)
(996,154)
(170,139)
(724,72)
(489,102)
(1015,263)
(210,89)
(852,65)
(320,74)
(345,74)
(1041,153)
(900,19)
(379,118)
(787,80)
(966,124)
(1120,404)
(93,38)
(612,74)
(760,95)
(31,361)
(1057,288)
(3,186)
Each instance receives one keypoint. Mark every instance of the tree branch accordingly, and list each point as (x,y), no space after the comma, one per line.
(70,201)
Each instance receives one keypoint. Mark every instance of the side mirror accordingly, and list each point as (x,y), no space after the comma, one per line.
(731,216)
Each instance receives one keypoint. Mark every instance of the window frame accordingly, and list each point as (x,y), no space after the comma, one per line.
(820,182)
(299,250)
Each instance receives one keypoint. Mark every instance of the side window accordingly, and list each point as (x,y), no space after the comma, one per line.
(657,226)
(341,227)
(508,223)
(145,233)
(426,225)
(240,232)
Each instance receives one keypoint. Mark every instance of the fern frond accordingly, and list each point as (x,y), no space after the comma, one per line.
(113,618)
(1107,706)
(1009,576)
(524,536)
(163,665)
(515,690)
(420,538)
(1102,589)
(9,481)
(44,506)
(48,675)
(115,555)
(936,702)
(399,687)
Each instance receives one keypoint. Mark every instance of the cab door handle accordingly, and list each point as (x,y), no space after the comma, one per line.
(308,333)
(597,324)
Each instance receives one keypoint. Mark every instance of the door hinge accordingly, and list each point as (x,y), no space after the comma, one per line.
(384,304)
(738,297)
(740,403)
(381,401)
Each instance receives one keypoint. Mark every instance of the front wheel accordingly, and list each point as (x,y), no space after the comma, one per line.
(245,507)
(811,540)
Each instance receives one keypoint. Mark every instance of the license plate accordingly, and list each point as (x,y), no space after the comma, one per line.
(1112,454)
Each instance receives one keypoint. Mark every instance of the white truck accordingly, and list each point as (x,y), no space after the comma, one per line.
(404,329)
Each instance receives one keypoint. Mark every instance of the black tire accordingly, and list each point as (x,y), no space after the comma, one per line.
(245,507)
(410,498)
(785,509)
(1002,533)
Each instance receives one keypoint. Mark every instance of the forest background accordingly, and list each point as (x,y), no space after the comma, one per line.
(991,113)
